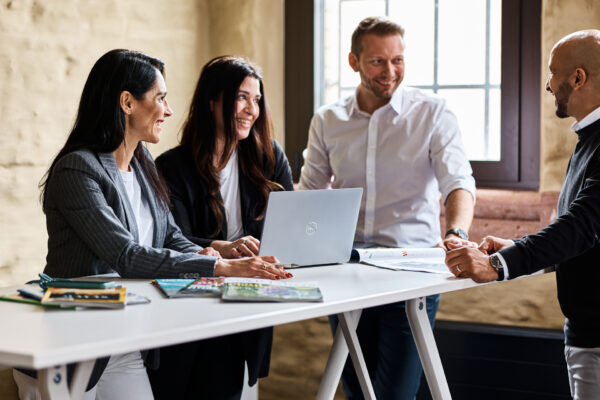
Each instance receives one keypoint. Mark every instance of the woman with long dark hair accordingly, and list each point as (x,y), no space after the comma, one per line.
(219,180)
(107,210)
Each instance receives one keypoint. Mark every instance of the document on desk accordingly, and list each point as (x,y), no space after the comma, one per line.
(408,259)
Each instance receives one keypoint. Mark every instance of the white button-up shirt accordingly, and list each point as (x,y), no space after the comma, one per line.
(403,155)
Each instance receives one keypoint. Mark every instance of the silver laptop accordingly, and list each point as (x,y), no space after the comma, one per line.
(311,227)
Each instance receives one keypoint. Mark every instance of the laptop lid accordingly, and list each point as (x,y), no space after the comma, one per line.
(311,227)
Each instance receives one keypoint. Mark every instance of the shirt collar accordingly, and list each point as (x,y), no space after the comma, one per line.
(587,120)
(395,103)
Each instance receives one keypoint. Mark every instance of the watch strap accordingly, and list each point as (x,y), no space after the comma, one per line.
(458,232)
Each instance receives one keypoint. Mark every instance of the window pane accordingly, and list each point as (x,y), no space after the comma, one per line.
(469,107)
(493,148)
(461,50)
(331,59)
(418,20)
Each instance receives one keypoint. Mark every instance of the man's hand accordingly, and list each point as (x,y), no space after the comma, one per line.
(492,244)
(470,262)
(453,242)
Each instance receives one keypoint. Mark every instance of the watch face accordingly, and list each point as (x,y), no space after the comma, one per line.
(495,261)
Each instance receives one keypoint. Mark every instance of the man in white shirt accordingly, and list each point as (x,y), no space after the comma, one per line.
(403,147)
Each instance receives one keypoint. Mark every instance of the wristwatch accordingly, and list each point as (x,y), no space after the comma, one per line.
(497,265)
(458,232)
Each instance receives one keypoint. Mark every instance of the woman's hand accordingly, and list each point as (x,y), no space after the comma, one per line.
(259,267)
(246,246)
(209,251)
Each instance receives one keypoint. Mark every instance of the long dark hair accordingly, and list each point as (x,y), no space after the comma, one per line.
(223,76)
(100,122)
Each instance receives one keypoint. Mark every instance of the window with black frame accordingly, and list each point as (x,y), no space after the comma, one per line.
(482,56)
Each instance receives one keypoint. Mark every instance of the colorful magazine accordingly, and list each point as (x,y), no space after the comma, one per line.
(170,287)
(248,289)
(99,298)
(201,287)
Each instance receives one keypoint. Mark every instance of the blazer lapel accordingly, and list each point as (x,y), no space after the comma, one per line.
(110,166)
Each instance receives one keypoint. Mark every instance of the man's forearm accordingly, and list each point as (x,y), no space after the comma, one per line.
(459,210)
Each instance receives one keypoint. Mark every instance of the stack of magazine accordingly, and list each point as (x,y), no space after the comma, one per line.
(73,294)
(240,289)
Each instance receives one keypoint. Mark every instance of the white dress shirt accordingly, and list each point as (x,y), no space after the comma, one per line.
(139,205)
(403,155)
(230,193)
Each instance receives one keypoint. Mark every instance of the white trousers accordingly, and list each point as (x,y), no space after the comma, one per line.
(583,365)
(124,378)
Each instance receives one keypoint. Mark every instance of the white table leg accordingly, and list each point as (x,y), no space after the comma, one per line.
(416,311)
(345,336)
(52,382)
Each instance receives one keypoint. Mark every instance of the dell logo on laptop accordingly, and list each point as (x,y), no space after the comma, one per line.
(311,228)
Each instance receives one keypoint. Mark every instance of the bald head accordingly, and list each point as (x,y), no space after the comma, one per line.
(579,50)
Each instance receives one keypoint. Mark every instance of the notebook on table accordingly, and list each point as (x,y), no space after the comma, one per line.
(311,227)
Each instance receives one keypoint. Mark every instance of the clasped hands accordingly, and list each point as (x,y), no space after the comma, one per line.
(467,259)
(239,258)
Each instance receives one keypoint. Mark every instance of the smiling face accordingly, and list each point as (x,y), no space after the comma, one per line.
(247,108)
(381,68)
(558,85)
(145,116)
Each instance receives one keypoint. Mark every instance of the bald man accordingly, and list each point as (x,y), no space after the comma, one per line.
(572,241)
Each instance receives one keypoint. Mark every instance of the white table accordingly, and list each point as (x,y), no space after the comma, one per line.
(46,339)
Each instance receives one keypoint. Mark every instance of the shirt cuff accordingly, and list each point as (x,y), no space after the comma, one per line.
(504,267)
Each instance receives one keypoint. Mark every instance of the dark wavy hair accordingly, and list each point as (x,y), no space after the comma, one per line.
(100,122)
(223,76)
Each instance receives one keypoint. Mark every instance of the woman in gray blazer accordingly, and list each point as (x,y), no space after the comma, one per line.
(107,211)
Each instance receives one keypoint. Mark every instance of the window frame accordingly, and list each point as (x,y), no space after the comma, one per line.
(518,167)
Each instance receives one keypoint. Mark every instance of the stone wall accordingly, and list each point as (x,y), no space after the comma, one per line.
(47,49)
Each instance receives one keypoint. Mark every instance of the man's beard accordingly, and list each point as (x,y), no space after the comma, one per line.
(562,96)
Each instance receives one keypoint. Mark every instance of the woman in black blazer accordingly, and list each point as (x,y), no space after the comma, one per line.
(219,179)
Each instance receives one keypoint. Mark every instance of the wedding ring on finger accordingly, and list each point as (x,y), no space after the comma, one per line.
(458,268)
(264,266)
(244,242)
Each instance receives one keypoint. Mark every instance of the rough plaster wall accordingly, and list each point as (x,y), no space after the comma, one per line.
(253,29)
(47,48)
(559,18)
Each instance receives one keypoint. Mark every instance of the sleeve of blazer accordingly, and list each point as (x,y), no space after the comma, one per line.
(569,236)
(283,172)
(78,191)
(180,177)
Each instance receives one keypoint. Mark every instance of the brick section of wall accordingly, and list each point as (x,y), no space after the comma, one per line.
(523,302)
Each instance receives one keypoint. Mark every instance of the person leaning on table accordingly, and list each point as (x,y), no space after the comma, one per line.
(107,211)
(403,147)
(219,180)
(571,241)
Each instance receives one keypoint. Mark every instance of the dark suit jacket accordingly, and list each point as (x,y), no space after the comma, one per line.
(192,213)
(92,229)
(189,195)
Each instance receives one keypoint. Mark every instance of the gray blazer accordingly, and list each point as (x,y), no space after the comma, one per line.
(92,228)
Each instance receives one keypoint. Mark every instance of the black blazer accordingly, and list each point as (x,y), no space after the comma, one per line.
(189,195)
(190,208)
